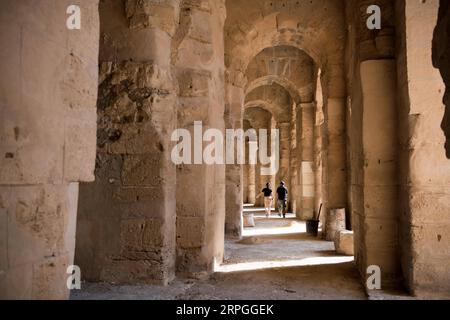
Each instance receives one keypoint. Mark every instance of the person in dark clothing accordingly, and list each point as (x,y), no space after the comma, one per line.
(268,198)
(282,193)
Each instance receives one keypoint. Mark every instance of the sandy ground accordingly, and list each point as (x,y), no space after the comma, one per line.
(274,260)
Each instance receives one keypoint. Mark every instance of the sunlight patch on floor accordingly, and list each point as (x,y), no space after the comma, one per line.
(253,209)
(291,228)
(261,265)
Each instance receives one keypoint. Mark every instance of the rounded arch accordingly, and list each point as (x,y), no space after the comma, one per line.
(290,87)
(260,104)
(286,66)
(274,98)
(317,28)
(258,116)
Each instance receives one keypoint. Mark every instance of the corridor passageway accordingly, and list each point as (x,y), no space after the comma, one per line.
(274,260)
(104,171)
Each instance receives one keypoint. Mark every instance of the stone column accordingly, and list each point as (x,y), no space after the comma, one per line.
(234,200)
(197,54)
(378,79)
(259,184)
(263,179)
(245,184)
(251,180)
(273,177)
(319,125)
(425,134)
(48,92)
(126,225)
(307,164)
(319,198)
(296,150)
(251,173)
(234,170)
(261,122)
(336,154)
(372,116)
(285,152)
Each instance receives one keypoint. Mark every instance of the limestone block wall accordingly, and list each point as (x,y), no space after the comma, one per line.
(47,141)
(424,196)
(126,222)
(197,57)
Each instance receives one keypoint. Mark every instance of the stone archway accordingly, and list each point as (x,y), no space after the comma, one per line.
(285,25)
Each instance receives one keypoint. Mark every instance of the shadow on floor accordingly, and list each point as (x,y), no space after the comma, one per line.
(276,260)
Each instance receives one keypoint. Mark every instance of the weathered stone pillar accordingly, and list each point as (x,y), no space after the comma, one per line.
(285,150)
(234,170)
(336,154)
(273,177)
(307,164)
(259,183)
(264,179)
(245,184)
(252,175)
(425,183)
(197,54)
(251,183)
(296,153)
(246,166)
(234,200)
(372,114)
(319,158)
(378,79)
(318,170)
(261,122)
(48,92)
(126,224)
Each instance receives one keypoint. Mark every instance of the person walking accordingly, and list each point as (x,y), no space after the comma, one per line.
(268,199)
(282,193)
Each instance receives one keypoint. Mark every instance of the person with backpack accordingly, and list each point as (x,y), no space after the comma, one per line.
(282,193)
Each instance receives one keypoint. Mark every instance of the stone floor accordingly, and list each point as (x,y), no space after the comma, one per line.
(275,260)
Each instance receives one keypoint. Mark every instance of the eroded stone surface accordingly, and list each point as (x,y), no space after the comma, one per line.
(343,242)
(359,112)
